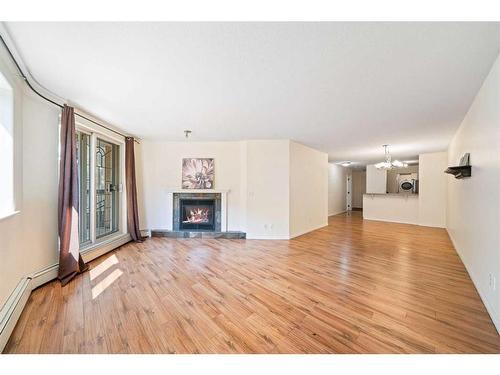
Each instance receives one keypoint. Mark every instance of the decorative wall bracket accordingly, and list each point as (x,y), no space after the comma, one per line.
(463,170)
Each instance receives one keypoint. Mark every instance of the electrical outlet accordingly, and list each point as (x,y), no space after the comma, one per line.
(492,281)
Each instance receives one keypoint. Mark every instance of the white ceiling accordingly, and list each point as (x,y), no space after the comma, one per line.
(344,88)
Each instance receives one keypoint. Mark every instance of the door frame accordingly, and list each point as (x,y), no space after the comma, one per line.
(87,127)
(349,191)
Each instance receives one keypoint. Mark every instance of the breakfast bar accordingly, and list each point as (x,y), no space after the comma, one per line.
(399,208)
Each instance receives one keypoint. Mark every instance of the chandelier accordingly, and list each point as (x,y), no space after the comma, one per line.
(388,163)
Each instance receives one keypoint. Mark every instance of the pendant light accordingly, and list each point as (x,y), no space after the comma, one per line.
(388,163)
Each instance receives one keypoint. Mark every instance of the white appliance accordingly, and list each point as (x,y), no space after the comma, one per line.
(408,183)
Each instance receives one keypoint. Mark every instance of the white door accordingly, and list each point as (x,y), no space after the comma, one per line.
(349,192)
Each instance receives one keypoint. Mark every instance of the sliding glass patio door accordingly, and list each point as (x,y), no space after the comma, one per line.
(99,161)
(106,189)
(84,178)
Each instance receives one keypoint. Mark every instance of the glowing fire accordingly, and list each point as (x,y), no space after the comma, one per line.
(198,215)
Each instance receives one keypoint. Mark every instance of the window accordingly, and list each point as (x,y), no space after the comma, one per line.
(99,175)
(6,148)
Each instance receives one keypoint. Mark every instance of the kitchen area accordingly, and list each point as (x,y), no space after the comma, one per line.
(412,193)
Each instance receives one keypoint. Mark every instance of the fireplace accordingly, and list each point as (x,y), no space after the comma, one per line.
(197,214)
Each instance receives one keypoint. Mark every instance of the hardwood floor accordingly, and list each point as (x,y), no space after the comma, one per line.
(352,287)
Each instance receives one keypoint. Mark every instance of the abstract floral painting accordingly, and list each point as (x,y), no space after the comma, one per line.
(198,173)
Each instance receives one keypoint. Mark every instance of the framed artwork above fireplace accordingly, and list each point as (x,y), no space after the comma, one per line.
(198,173)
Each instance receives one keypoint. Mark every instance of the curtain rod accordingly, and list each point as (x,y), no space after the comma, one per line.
(25,79)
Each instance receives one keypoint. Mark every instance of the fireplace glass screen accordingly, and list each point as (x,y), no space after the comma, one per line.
(197,214)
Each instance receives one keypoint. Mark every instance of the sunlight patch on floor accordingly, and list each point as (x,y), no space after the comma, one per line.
(108,263)
(101,286)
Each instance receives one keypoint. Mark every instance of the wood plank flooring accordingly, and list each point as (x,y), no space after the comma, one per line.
(352,287)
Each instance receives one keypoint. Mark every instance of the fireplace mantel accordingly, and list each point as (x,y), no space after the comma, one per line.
(176,190)
(223,193)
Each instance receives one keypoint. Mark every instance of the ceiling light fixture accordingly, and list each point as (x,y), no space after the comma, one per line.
(345,163)
(388,163)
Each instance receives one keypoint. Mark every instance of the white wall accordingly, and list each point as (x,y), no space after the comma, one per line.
(358,188)
(29,238)
(139,176)
(160,166)
(376,180)
(255,172)
(337,189)
(266,200)
(473,213)
(267,188)
(432,189)
(6,147)
(308,189)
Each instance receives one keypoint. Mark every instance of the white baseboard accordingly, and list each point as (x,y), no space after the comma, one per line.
(44,276)
(267,237)
(13,307)
(432,225)
(294,235)
(495,317)
(390,221)
(404,222)
(251,236)
(337,213)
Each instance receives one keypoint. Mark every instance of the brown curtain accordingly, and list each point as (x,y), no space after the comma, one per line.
(132,211)
(70,260)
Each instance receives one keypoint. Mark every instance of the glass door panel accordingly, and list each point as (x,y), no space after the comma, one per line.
(83,160)
(106,187)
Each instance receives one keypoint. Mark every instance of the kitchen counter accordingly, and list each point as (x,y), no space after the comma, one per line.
(386,194)
(395,207)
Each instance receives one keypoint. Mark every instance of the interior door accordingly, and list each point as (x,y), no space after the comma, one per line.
(349,192)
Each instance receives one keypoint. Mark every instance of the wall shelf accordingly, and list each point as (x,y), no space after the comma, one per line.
(460,171)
